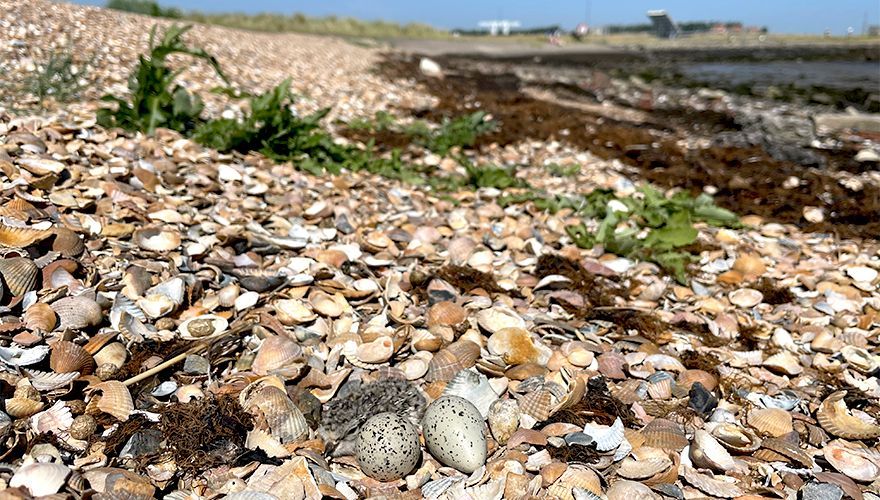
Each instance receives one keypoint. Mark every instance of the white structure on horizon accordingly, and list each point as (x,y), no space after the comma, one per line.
(501,25)
(664,26)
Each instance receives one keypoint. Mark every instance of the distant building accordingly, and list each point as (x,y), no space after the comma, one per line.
(663,25)
(500,26)
(874,30)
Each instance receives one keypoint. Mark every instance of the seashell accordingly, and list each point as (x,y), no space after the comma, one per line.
(261,440)
(77,312)
(632,468)
(156,239)
(40,478)
(606,437)
(707,453)
(123,304)
(328,305)
(115,399)
(202,327)
(40,317)
(834,417)
(660,385)
(746,298)
(537,404)
(379,350)
(847,485)
(17,356)
(611,365)
(447,362)
(710,485)
(498,318)
(580,476)
(516,346)
(630,391)
(474,387)
(773,422)
(113,353)
(445,314)
(860,359)
(664,434)
(82,427)
(790,450)
(785,363)
(736,438)
(67,242)
(228,294)
(56,419)
(69,357)
(17,407)
(687,378)
(282,417)
(862,274)
(275,353)
(48,381)
(21,237)
(630,490)
(750,265)
(504,417)
(20,275)
(415,367)
(293,312)
(855,460)
(164,389)
(664,362)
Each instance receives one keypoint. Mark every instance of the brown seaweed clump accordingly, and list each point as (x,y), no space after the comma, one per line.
(773,295)
(206,432)
(693,360)
(597,406)
(598,291)
(467,278)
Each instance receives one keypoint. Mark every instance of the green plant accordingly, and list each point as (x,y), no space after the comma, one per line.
(146,7)
(155,100)
(488,176)
(58,78)
(563,170)
(647,225)
(462,131)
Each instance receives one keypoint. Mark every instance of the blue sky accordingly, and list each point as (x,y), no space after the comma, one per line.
(784,16)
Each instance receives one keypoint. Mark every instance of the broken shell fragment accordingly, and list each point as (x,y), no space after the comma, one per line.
(157,239)
(202,327)
(835,417)
(77,312)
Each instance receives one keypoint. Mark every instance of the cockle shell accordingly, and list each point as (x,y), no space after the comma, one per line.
(580,476)
(706,452)
(67,242)
(773,422)
(113,353)
(293,312)
(710,485)
(18,407)
(18,356)
(736,438)
(445,314)
(77,312)
(606,437)
(516,346)
(47,381)
(538,404)
(270,404)
(69,357)
(746,297)
(40,317)
(115,399)
(40,478)
(20,275)
(157,239)
(55,419)
(202,327)
(790,450)
(498,318)
(853,459)
(328,305)
(687,378)
(275,353)
(379,350)
(503,418)
(21,237)
(447,362)
(630,490)
(834,417)
(633,468)
(664,434)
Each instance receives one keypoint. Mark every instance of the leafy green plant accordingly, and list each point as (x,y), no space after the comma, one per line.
(57,78)
(156,101)
(146,7)
(462,131)
(563,170)
(382,120)
(647,226)
(488,176)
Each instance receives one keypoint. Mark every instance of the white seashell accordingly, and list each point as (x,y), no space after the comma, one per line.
(48,381)
(706,452)
(474,387)
(202,327)
(40,478)
(862,274)
(18,356)
(164,389)
(746,297)
(606,438)
(55,419)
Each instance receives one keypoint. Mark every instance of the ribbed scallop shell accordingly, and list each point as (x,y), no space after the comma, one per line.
(275,353)
(537,404)
(262,440)
(606,437)
(21,237)
(115,399)
(456,357)
(710,485)
(284,420)
(114,353)
(834,417)
(687,378)
(40,478)
(770,421)
(664,434)
(55,419)
(445,314)
(790,450)
(48,381)
(67,242)
(40,317)
(77,312)
(660,385)
(69,357)
(20,275)
(579,476)
(630,391)
(22,407)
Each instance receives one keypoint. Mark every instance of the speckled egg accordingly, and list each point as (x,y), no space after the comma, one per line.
(388,447)
(455,433)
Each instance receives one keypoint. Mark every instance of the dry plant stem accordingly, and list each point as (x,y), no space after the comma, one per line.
(180,357)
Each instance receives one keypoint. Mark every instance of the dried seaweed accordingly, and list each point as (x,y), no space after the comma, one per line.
(598,406)
(467,278)
(773,294)
(694,360)
(574,453)
(597,290)
(645,324)
(205,433)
